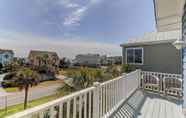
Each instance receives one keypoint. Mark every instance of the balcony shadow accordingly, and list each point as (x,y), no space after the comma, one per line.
(131,107)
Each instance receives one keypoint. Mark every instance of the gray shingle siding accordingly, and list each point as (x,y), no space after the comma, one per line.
(159,58)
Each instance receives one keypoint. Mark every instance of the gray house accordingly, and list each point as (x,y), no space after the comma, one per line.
(153,52)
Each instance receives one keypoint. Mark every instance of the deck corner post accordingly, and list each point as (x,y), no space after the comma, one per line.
(140,82)
(96,100)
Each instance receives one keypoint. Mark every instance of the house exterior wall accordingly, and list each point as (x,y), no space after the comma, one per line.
(158,58)
(88,59)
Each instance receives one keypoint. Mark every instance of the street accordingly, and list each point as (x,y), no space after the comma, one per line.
(35,93)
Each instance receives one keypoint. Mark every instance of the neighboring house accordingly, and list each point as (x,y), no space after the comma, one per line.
(6,56)
(154,52)
(92,60)
(40,58)
(20,61)
(114,60)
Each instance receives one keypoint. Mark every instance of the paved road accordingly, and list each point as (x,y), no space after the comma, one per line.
(18,97)
(2,92)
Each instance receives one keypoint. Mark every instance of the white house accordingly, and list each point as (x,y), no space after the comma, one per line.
(88,59)
(6,56)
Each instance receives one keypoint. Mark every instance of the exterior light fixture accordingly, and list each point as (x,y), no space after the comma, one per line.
(179,44)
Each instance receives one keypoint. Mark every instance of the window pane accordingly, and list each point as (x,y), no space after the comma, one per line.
(130,56)
(138,55)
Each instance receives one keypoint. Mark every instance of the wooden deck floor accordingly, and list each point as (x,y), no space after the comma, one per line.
(148,105)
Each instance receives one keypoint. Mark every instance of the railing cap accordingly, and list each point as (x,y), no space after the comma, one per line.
(96,84)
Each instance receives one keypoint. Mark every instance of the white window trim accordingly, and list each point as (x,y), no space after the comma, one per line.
(134,49)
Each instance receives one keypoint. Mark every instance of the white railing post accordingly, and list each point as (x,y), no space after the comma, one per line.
(96,100)
(139,78)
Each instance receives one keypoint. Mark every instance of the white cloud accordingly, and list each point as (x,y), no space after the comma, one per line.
(68,4)
(64,47)
(74,18)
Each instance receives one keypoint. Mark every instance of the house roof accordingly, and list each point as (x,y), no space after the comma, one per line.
(40,53)
(5,50)
(168,17)
(154,38)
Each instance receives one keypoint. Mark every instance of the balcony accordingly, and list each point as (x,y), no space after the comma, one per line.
(139,94)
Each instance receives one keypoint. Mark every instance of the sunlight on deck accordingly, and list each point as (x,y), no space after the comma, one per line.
(147,105)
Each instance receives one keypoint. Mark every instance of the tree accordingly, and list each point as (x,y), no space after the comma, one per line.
(64,63)
(82,78)
(1,66)
(115,71)
(126,68)
(24,79)
(99,75)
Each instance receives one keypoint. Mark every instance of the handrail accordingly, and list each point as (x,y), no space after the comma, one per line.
(98,101)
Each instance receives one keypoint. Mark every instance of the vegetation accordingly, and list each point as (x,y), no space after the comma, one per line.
(125,68)
(24,79)
(20,107)
(84,77)
(115,70)
(64,63)
(1,66)
(12,89)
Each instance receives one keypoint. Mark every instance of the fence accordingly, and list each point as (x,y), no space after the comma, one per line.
(98,101)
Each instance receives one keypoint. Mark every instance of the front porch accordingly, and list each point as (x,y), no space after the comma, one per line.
(139,94)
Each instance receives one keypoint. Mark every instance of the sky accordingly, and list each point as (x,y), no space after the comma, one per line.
(72,27)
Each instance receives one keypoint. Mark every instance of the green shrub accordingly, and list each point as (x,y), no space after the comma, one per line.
(126,68)
(9,76)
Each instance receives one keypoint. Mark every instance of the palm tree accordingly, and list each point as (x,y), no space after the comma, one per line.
(24,79)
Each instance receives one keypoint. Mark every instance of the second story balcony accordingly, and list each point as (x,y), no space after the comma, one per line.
(139,94)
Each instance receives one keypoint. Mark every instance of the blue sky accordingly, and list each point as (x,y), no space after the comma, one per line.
(71,27)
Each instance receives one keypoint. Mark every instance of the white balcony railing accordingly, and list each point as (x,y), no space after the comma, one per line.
(94,102)
(164,83)
(103,99)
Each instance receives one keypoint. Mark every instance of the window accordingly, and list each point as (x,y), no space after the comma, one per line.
(134,56)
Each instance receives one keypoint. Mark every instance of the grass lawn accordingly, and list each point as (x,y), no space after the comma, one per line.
(17,108)
(42,84)
(13,89)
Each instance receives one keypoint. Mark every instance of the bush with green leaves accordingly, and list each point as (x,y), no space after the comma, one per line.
(126,68)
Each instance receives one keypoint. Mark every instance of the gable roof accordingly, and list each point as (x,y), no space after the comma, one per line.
(154,38)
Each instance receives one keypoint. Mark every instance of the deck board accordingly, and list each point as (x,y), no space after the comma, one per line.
(147,105)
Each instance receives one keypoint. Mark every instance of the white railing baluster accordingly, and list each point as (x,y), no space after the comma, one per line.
(100,104)
(80,106)
(85,105)
(74,107)
(68,110)
(96,100)
(103,110)
(61,110)
(90,105)
(41,114)
(106,98)
(52,112)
